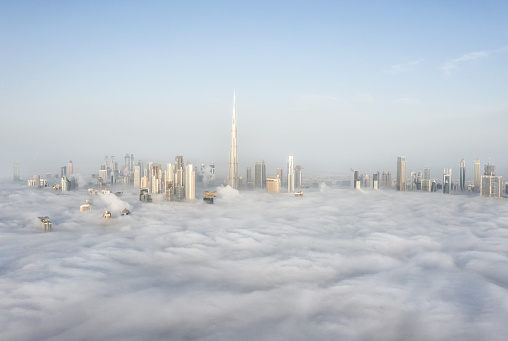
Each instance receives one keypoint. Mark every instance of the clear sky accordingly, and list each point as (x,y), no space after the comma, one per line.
(339,84)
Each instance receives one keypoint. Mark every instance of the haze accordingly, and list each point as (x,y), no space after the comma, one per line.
(338,84)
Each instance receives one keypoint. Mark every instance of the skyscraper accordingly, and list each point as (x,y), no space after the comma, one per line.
(401,173)
(233,157)
(260,175)
(279,173)
(477,174)
(490,184)
(190,182)
(137,176)
(70,168)
(291,175)
(462,175)
(447,180)
(16,173)
(179,178)
(375,180)
(298,177)
(273,184)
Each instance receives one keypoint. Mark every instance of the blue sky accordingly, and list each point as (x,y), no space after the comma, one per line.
(339,84)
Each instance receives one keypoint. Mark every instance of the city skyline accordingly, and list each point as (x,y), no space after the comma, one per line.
(368,82)
(353,192)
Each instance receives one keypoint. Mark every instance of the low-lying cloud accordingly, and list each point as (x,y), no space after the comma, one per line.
(335,264)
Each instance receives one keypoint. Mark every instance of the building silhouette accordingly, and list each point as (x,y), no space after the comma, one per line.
(447,180)
(490,184)
(190,182)
(476,183)
(291,175)
(462,180)
(233,180)
(401,173)
(260,175)
(298,176)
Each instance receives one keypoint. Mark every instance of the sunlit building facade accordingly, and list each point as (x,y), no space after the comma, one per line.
(401,173)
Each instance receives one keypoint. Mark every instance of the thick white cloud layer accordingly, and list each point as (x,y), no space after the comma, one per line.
(331,265)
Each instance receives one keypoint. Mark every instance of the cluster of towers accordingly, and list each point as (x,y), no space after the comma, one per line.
(487,184)
(260,180)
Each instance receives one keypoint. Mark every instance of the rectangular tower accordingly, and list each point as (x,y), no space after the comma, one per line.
(291,175)
(401,173)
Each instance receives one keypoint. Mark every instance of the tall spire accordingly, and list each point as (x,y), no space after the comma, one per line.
(233,180)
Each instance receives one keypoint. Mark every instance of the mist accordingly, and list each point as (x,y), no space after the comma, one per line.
(333,264)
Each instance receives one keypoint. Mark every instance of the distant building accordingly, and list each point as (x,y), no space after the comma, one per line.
(70,168)
(84,208)
(46,223)
(386,180)
(401,173)
(179,183)
(190,182)
(137,176)
(447,180)
(477,174)
(490,184)
(250,179)
(280,173)
(66,184)
(156,178)
(233,153)
(16,171)
(260,174)
(291,175)
(375,180)
(298,176)
(63,171)
(144,195)
(462,181)
(273,184)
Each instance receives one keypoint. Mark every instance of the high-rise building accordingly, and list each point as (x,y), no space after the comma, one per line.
(414,181)
(260,174)
(70,168)
(291,175)
(355,182)
(375,180)
(279,172)
(66,184)
(233,180)
(190,182)
(155,178)
(386,179)
(63,171)
(462,180)
(401,173)
(137,176)
(426,173)
(16,171)
(273,184)
(447,180)
(476,183)
(179,180)
(298,177)
(249,176)
(37,180)
(490,184)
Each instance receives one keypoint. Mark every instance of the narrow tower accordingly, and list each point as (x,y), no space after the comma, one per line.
(233,157)
(291,175)
(477,174)
(401,174)
(462,175)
